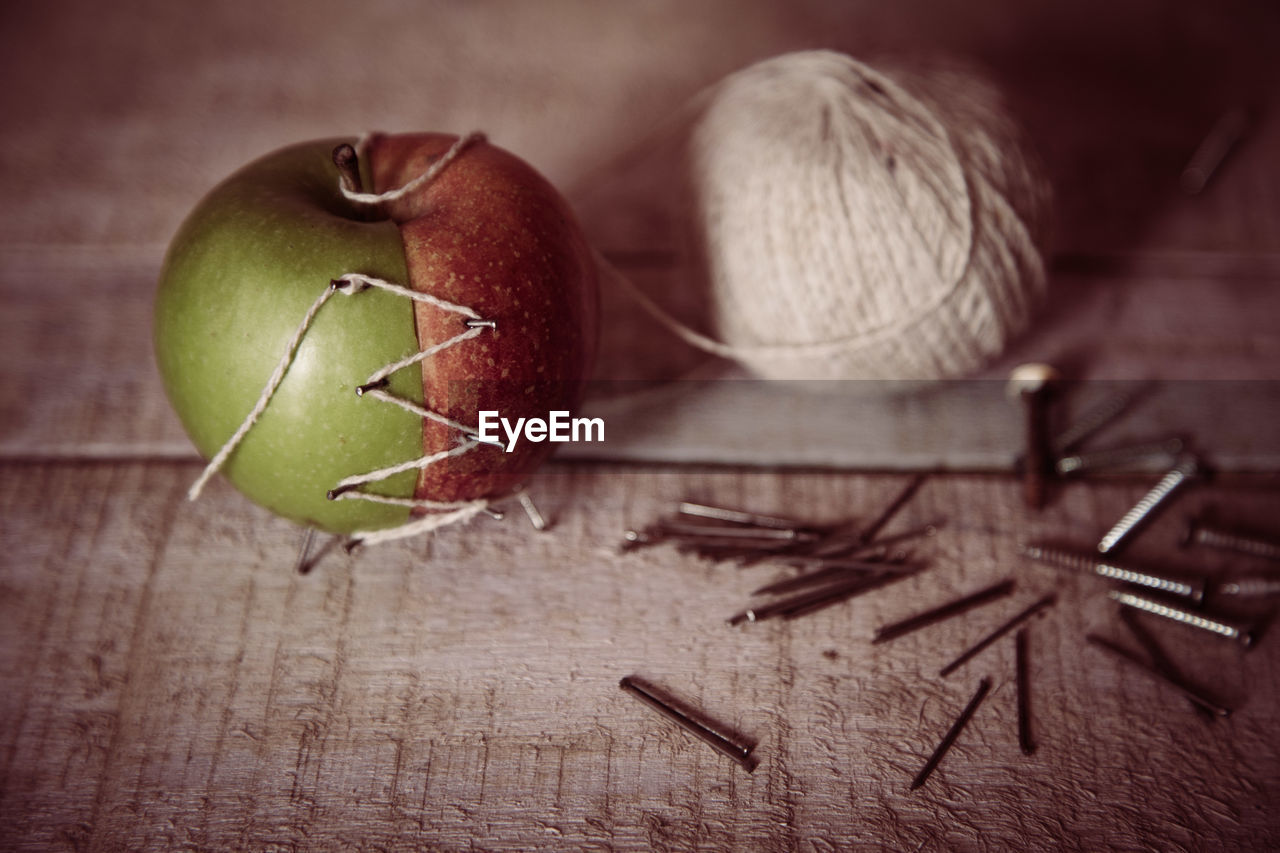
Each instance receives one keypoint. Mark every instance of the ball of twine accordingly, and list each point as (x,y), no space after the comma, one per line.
(856,223)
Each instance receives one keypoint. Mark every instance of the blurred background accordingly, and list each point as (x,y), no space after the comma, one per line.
(169,681)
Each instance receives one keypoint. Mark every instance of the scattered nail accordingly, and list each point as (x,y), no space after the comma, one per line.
(1022,670)
(950,737)
(945,611)
(1159,660)
(1017,620)
(301,565)
(718,737)
(1191,692)
(908,492)
(734,516)
(530,509)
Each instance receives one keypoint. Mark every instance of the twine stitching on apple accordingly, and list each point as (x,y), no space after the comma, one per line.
(277,376)
(350,284)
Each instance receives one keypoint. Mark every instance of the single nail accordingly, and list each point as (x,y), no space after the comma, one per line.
(800,603)
(1203,532)
(846,545)
(945,611)
(1239,633)
(676,529)
(718,737)
(495,514)
(954,732)
(721,550)
(1033,384)
(1251,587)
(479,324)
(908,492)
(377,384)
(1142,511)
(735,516)
(1060,558)
(530,509)
(1159,660)
(848,570)
(1213,149)
(1145,456)
(301,565)
(1017,620)
(1022,669)
(794,609)
(1191,692)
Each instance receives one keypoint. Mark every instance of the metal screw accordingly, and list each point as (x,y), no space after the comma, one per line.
(1238,633)
(1179,474)
(1251,587)
(1095,419)
(1201,532)
(1033,383)
(1089,564)
(1165,452)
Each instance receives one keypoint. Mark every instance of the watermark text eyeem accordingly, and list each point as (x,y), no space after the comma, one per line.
(557,427)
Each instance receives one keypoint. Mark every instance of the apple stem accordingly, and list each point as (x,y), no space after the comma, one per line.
(348,163)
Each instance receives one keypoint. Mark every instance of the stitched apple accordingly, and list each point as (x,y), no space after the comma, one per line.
(460,283)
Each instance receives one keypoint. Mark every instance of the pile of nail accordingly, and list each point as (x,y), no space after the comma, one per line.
(839,561)
(835,562)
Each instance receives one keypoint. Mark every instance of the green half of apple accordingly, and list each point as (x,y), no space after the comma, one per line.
(239,277)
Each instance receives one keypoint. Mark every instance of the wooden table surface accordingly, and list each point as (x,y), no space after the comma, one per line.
(169,681)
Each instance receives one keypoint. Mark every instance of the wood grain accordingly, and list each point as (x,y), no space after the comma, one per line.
(168,682)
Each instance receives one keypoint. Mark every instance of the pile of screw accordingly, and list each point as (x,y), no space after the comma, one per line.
(1172,596)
